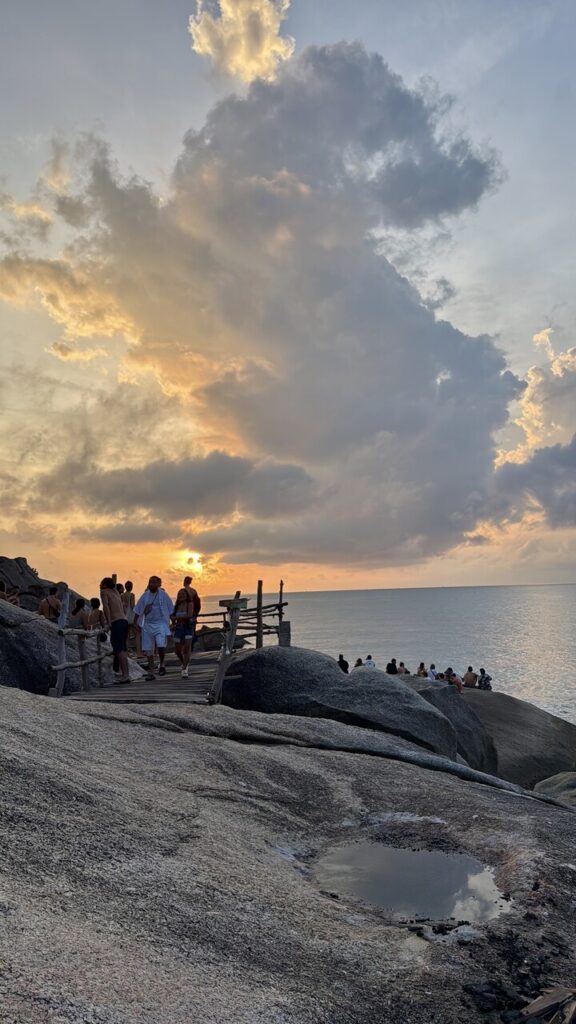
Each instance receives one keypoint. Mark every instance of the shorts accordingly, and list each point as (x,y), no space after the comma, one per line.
(183,631)
(119,635)
(153,635)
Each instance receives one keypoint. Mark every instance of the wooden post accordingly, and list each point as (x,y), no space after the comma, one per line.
(280,603)
(81,657)
(259,633)
(61,675)
(99,652)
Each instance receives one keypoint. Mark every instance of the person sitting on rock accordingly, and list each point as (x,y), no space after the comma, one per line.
(422,671)
(432,672)
(402,670)
(454,679)
(369,663)
(343,664)
(392,668)
(470,678)
(50,607)
(484,680)
(358,663)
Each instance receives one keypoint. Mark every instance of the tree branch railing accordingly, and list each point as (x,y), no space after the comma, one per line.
(82,662)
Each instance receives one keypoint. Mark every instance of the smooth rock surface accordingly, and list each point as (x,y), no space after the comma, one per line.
(531,744)
(29,647)
(561,787)
(474,743)
(295,681)
(155,869)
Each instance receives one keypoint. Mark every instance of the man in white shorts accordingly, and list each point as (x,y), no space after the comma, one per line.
(152,614)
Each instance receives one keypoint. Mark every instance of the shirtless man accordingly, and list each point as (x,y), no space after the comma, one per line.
(470,678)
(50,607)
(115,617)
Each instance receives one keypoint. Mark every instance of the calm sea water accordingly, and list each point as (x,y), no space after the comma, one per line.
(523,636)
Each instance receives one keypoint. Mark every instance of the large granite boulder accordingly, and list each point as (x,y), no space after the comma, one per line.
(474,744)
(15,572)
(294,681)
(29,649)
(530,743)
(560,787)
(159,867)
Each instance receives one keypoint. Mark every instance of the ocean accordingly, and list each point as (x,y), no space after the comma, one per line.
(523,636)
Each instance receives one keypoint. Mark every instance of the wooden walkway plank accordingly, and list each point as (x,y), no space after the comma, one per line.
(171,688)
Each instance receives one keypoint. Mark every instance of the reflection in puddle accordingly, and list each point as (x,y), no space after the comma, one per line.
(413,884)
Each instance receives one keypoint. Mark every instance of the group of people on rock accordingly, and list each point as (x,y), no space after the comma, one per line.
(12,596)
(150,621)
(469,679)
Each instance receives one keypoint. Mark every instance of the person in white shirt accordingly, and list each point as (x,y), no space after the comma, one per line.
(152,614)
(369,663)
(432,672)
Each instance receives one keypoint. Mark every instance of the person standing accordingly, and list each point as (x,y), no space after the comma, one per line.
(184,617)
(50,607)
(152,614)
(343,664)
(116,619)
(96,617)
(128,603)
(79,616)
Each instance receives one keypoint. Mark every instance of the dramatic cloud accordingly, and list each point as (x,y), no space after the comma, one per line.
(215,486)
(242,37)
(546,481)
(549,401)
(304,401)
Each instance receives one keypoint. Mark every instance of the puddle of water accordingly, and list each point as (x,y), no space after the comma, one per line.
(413,884)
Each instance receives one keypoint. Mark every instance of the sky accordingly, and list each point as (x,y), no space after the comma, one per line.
(286,290)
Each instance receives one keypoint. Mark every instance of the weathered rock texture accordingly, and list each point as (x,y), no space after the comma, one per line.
(531,744)
(561,787)
(474,744)
(29,647)
(17,573)
(155,868)
(294,681)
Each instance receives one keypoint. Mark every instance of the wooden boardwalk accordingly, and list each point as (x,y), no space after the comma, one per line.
(168,689)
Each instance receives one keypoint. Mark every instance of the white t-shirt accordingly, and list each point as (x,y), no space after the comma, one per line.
(369,663)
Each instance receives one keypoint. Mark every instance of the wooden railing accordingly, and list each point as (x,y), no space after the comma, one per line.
(82,662)
(244,623)
(239,622)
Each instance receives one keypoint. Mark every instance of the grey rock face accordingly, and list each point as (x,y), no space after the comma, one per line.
(474,743)
(157,867)
(531,744)
(29,647)
(17,573)
(295,681)
(560,787)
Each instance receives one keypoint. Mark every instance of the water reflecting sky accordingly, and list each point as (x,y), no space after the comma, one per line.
(413,883)
(523,636)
